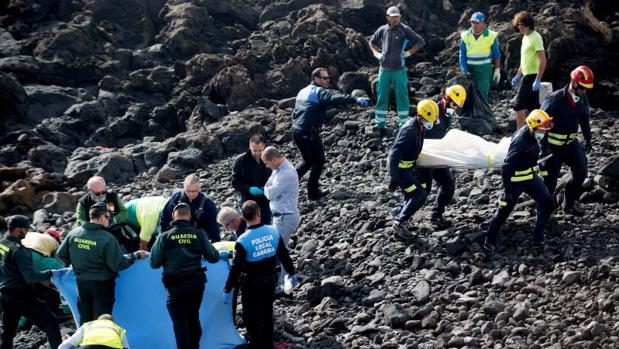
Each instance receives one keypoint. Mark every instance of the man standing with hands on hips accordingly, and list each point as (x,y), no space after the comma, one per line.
(390,45)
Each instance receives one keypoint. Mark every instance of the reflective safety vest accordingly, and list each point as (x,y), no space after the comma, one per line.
(478,51)
(559,139)
(525,175)
(103,332)
(406,163)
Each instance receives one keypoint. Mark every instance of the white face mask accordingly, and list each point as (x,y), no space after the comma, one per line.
(539,136)
(450,111)
(427,124)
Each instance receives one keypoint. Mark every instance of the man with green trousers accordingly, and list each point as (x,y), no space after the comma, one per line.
(391,44)
(479,47)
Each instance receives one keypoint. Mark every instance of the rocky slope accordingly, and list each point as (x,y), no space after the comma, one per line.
(86,88)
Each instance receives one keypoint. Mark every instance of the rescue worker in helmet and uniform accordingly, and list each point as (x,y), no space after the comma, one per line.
(402,157)
(570,108)
(520,174)
(452,100)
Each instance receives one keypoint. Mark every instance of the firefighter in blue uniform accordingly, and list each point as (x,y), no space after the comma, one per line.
(402,158)
(570,108)
(520,174)
(256,255)
(453,99)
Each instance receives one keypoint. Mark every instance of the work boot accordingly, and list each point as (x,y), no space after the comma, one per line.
(379,131)
(317,195)
(400,231)
(489,247)
(573,209)
(440,221)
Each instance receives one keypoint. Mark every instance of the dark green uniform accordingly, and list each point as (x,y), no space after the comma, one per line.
(17,296)
(180,251)
(96,258)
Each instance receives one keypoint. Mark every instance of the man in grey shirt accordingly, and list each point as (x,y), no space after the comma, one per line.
(391,44)
(282,189)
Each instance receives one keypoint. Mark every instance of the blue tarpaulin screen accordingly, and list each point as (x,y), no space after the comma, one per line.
(140,307)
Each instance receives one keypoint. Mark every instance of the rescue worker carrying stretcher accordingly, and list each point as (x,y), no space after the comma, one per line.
(402,158)
(570,108)
(520,174)
(452,100)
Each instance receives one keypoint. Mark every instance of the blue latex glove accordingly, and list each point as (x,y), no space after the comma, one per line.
(59,272)
(294,280)
(226,297)
(516,79)
(256,191)
(224,255)
(536,85)
(362,101)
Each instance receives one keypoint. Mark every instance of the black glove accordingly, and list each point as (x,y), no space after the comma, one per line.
(588,146)
(393,185)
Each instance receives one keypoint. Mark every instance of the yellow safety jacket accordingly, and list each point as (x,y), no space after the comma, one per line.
(478,51)
(103,332)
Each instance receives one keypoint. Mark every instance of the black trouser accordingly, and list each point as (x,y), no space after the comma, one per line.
(414,194)
(573,156)
(313,157)
(447,187)
(95,298)
(536,189)
(526,98)
(183,302)
(16,304)
(257,297)
(263,202)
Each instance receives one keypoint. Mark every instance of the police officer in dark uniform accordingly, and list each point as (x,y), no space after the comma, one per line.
(569,107)
(250,174)
(255,258)
(402,158)
(520,174)
(454,98)
(309,114)
(96,258)
(17,287)
(180,251)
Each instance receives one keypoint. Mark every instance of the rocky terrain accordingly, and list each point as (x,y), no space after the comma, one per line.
(145,91)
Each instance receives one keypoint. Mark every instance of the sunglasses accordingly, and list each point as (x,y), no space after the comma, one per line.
(327,78)
(101,193)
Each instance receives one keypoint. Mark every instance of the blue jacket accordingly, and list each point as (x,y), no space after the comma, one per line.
(522,155)
(257,253)
(205,219)
(567,115)
(406,147)
(311,107)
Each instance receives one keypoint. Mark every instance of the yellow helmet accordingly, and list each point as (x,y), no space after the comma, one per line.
(457,93)
(539,119)
(427,109)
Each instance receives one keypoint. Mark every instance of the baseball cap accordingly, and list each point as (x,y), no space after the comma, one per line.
(478,17)
(181,205)
(19,221)
(393,11)
(100,206)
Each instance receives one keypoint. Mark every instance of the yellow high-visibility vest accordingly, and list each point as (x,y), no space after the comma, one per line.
(478,51)
(103,332)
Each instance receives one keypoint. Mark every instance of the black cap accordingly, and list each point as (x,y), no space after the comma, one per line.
(100,206)
(181,205)
(19,221)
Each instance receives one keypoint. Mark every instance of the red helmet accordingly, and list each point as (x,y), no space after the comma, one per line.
(54,233)
(582,76)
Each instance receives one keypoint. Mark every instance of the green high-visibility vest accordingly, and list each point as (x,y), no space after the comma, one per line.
(478,51)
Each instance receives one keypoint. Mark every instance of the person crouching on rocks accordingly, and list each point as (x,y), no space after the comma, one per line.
(520,174)
(402,158)
(100,333)
(452,100)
